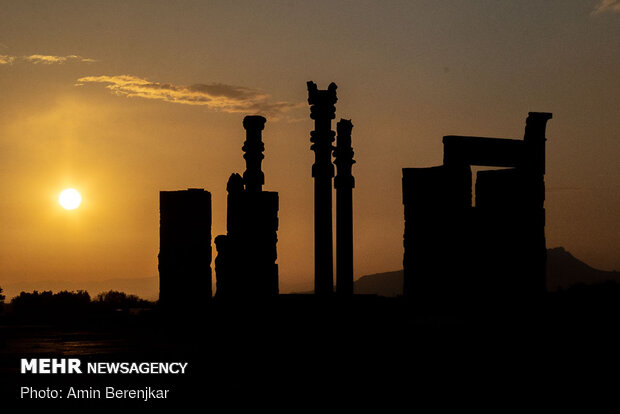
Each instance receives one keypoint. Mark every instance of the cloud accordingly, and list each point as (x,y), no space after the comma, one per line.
(216,96)
(6,59)
(43,59)
(49,60)
(606,6)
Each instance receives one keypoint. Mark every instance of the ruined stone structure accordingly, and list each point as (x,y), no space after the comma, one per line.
(322,111)
(456,251)
(246,256)
(344,182)
(185,248)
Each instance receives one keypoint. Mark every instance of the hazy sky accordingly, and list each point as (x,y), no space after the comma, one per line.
(122,99)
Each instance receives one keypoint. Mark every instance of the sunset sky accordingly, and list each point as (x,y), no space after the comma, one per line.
(122,99)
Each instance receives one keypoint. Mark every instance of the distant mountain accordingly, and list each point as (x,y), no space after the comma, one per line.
(384,284)
(563,270)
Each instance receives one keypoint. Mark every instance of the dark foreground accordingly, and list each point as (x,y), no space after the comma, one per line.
(299,353)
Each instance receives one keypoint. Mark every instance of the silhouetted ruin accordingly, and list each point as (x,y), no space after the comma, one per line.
(245,265)
(185,247)
(496,249)
(344,182)
(322,111)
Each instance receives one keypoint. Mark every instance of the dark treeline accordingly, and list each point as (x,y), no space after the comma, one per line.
(2,297)
(47,306)
(601,300)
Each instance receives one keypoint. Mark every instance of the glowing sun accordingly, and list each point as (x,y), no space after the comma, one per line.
(70,199)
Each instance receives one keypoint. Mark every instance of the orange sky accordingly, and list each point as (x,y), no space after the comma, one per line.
(123,99)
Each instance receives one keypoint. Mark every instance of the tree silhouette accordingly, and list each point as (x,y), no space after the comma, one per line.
(113,299)
(2,297)
(46,305)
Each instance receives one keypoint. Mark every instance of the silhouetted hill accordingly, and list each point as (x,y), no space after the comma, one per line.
(563,270)
(384,284)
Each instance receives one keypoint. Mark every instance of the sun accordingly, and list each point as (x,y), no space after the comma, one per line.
(70,199)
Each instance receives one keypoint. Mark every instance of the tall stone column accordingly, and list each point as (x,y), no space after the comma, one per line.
(322,111)
(253,148)
(534,175)
(344,184)
(246,265)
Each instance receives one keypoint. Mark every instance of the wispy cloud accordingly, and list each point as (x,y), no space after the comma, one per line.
(43,59)
(49,60)
(605,6)
(216,96)
(6,59)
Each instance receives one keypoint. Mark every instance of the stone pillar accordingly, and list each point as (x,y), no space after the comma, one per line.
(184,249)
(322,111)
(534,157)
(344,184)
(246,265)
(253,177)
(533,170)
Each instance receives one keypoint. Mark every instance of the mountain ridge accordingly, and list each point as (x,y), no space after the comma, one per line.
(563,271)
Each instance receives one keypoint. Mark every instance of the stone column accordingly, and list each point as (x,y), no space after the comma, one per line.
(533,170)
(344,184)
(534,157)
(253,177)
(322,111)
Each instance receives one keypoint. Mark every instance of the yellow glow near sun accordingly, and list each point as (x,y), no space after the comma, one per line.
(70,199)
